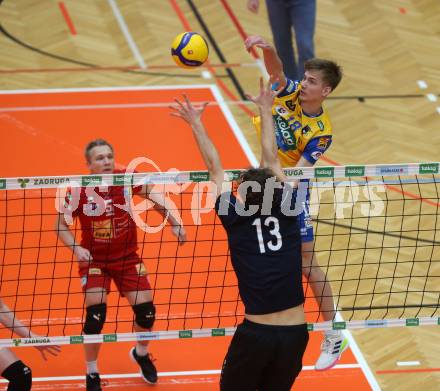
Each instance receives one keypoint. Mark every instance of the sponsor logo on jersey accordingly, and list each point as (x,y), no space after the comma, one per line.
(321,125)
(316,155)
(290,105)
(141,270)
(94,271)
(83,281)
(285,139)
(323,143)
(102,229)
(281,110)
(291,86)
(306,129)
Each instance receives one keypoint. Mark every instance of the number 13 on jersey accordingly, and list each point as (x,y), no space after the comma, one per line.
(273,225)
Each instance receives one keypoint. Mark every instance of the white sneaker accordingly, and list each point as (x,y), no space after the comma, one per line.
(331,351)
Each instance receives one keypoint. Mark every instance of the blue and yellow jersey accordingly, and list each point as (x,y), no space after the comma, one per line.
(297,134)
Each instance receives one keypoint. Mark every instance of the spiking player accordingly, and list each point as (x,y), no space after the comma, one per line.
(108,250)
(267,349)
(303,133)
(12,368)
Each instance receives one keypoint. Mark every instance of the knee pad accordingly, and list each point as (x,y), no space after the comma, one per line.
(145,314)
(95,318)
(19,376)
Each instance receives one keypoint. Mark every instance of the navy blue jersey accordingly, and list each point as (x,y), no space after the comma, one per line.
(265,252)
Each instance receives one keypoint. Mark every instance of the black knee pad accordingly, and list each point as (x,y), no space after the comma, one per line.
(145,314)
(19,376)
(95,318)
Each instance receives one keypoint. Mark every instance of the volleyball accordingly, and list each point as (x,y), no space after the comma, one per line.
(189,50)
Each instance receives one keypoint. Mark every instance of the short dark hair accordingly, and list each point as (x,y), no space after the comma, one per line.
(95,143)
(331,72)
(259,175)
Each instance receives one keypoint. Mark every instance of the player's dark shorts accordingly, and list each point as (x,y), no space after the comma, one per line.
(305,220)
(128,273)
(263,357)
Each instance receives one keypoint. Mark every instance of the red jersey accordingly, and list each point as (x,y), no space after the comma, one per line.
(107,230)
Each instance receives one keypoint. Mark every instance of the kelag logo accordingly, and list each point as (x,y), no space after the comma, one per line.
(428,168)
(327,172)
(2,184)
(354,171)
(199,176)
(91,180)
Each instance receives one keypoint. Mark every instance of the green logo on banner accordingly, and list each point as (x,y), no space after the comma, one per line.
(218,332)
(339,326)
(428,168)
(23,182)
(438,321)
(412,322)
(310,327)
(109,337)
(199,176)
(76,339)
(234,175)
(91,180)
(185,334)
(354,171)
(328,172)
(16,341)
(2,183)
(120,180)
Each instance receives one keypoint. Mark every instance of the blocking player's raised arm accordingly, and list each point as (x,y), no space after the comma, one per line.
(192,115)
(269,150)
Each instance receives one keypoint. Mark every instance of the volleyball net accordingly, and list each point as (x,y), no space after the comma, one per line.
(377,240)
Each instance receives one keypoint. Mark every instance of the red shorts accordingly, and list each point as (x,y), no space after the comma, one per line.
(128,273)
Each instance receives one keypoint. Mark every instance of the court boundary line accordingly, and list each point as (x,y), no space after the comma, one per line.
(353,345)
(104,89)
(126,32)
(166,374)
(242,141)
